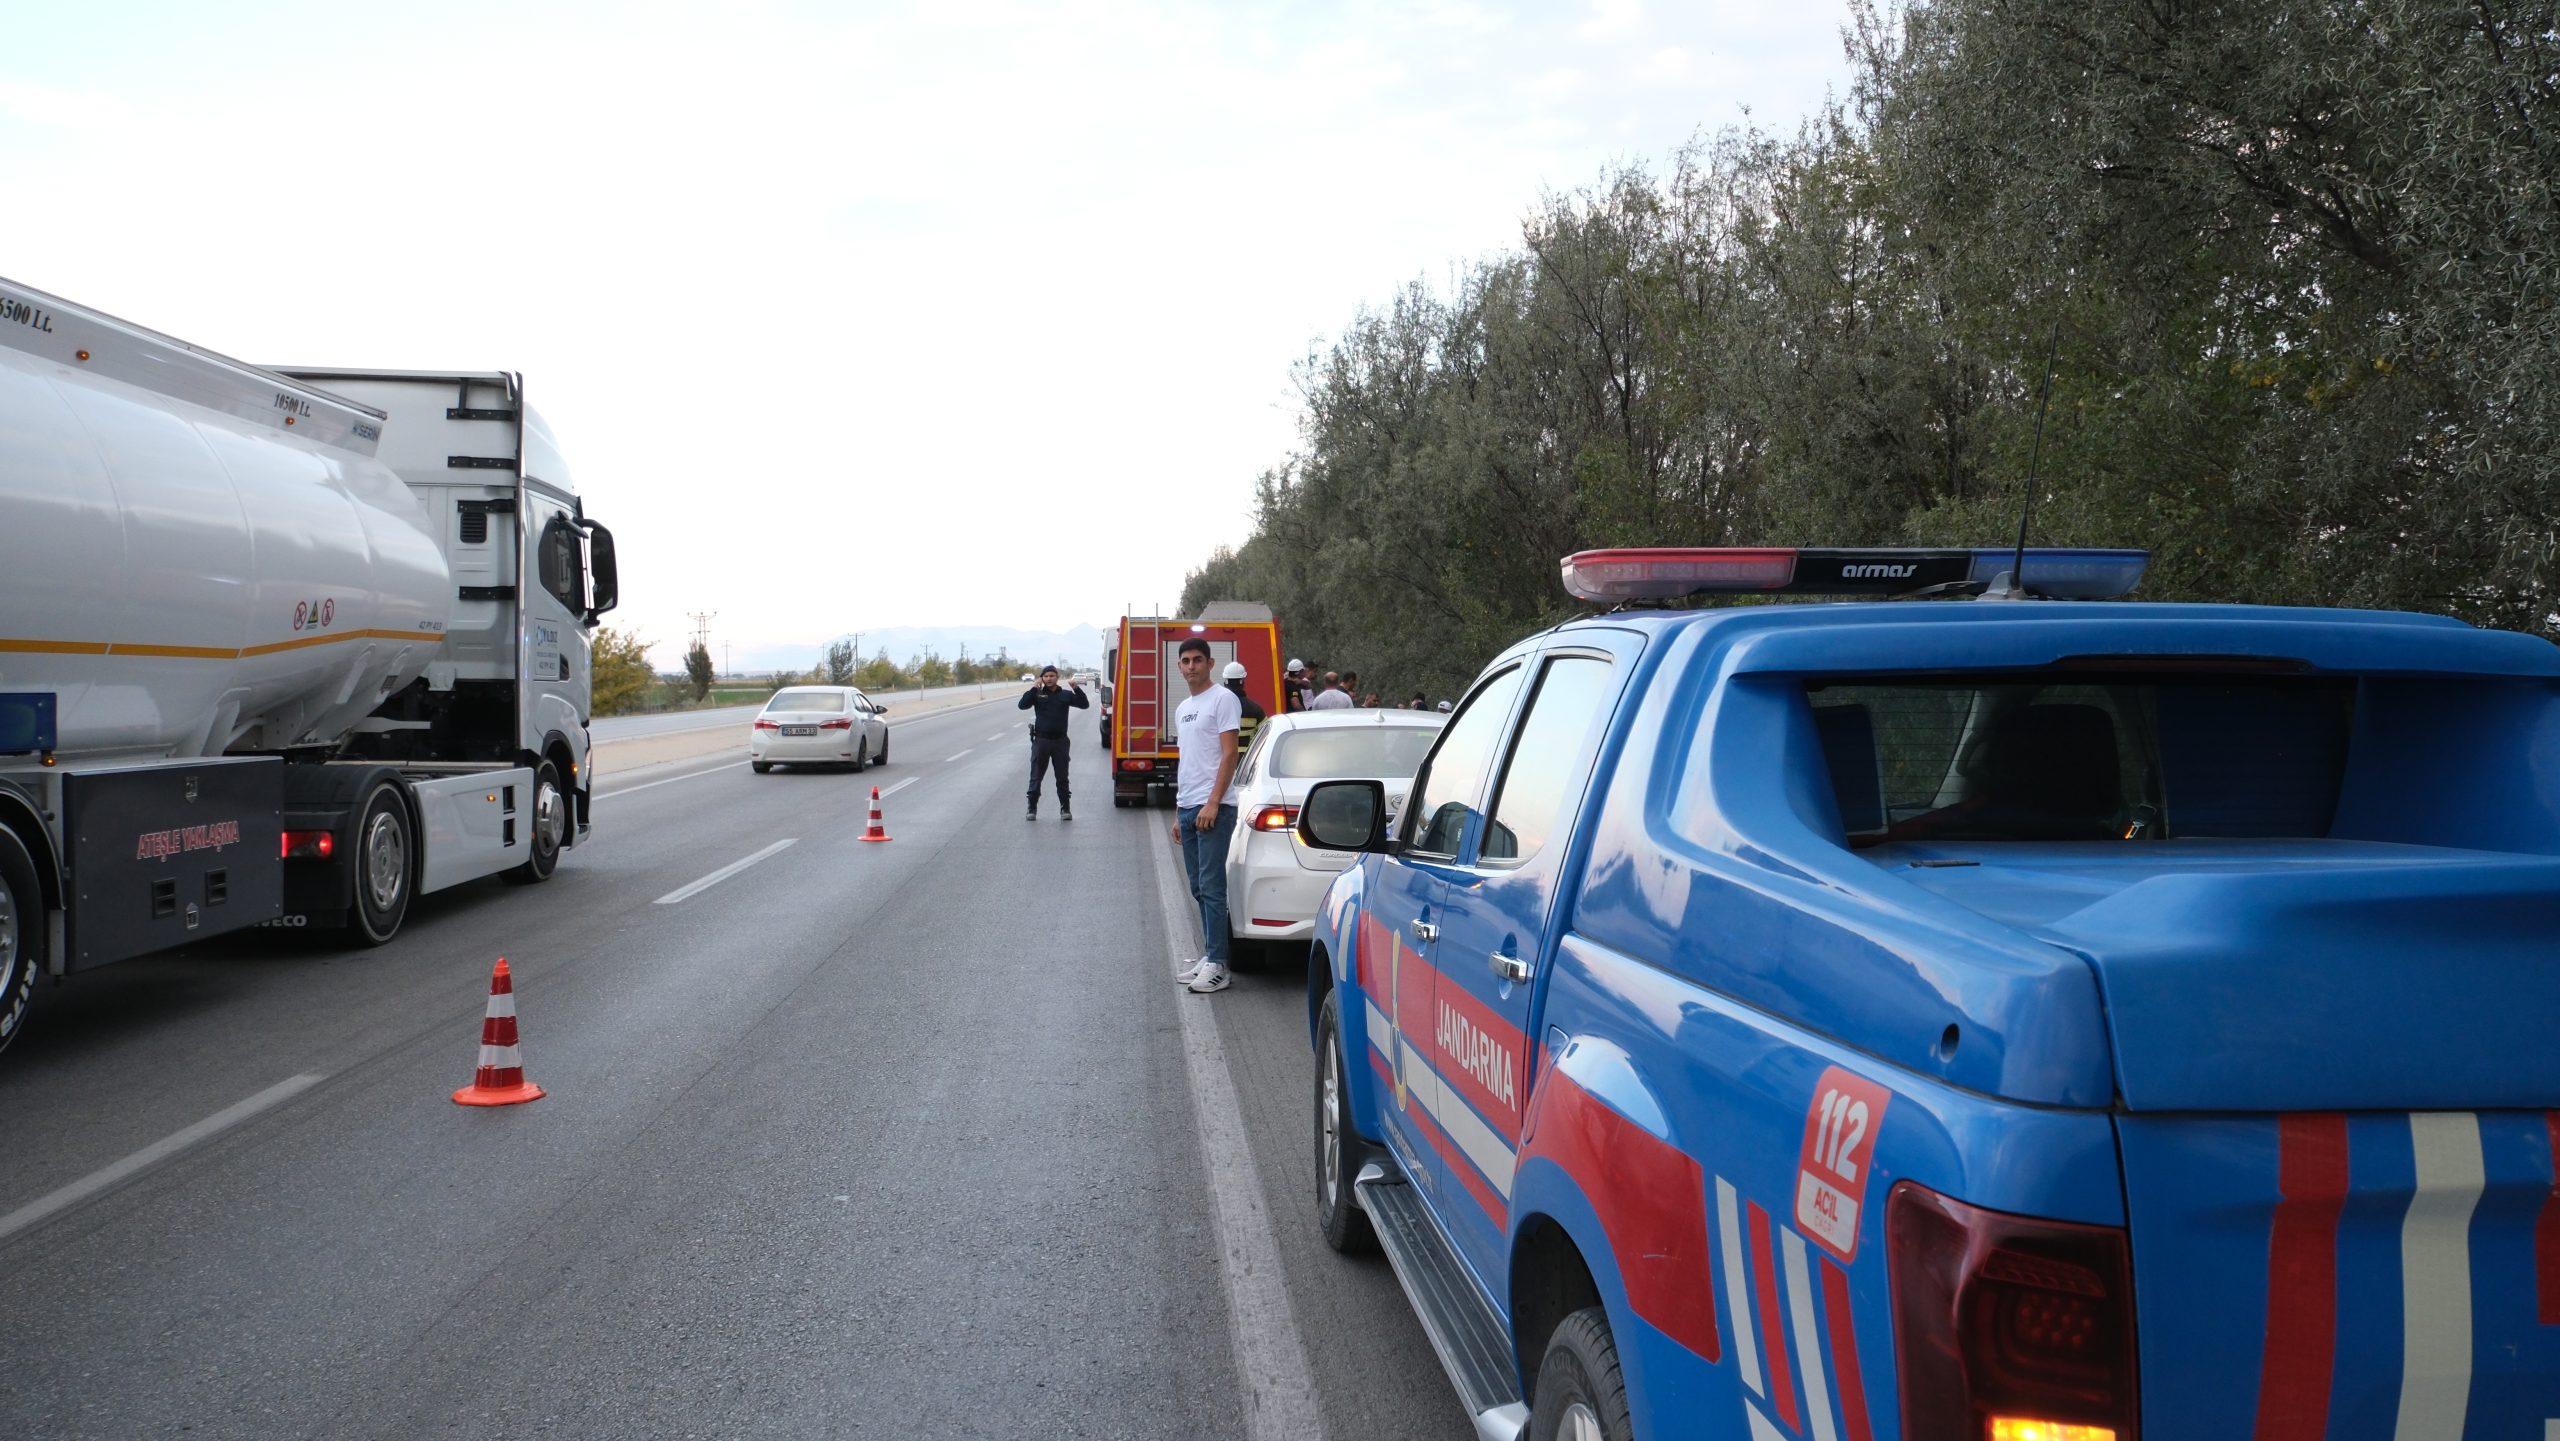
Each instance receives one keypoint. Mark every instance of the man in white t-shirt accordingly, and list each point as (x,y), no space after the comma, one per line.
(1333,696)
(1205,724)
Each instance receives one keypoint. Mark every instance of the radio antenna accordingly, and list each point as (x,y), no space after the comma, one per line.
(2017,588)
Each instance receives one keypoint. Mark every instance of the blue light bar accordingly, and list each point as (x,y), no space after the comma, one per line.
(2063,574)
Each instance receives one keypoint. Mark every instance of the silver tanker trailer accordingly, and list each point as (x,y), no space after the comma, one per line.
(276,646)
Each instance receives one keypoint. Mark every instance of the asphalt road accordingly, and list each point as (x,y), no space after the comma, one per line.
(859,1140)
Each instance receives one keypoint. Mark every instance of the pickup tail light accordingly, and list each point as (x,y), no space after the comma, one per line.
(844,724)
(2009,1328)
(309,845)
(765,725)
(1276,818)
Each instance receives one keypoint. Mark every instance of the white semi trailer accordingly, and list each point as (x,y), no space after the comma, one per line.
(277,646)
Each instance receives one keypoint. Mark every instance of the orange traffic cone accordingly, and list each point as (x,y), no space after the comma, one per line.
(875,833)
(501,1079)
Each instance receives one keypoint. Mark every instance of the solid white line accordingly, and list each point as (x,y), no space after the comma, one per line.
(2435,1276)
(722,874)
(153,1154)
(1817,1383)
(1270,1358)
(902,785)
(1737,1285)
(946,760)
(671,780)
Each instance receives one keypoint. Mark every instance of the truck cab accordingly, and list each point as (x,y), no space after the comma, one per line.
(1962,1019)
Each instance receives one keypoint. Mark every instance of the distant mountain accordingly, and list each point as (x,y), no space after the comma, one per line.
(1082,645)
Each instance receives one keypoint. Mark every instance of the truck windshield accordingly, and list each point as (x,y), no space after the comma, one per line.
(2067,757)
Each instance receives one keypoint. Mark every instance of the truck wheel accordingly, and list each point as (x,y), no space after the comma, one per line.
(1581,1396)
(22,936)
(1346,1226)
(384,846)
(550,828)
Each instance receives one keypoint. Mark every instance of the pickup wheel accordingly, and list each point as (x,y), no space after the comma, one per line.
(22,934)
(550,828)
(1346,1226)
(1581,1395)
(384,846)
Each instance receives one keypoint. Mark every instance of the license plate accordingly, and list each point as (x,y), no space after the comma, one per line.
(799,730)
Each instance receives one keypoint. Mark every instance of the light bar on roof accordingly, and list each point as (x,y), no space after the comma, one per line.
(1666,573)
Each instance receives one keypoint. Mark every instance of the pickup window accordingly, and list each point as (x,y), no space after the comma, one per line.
(1444,794)
(2072,757)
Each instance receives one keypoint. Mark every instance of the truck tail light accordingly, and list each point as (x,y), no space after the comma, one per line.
(2009,1328)
(844,724)
(765,725)
(1276,818)
(1137,765)
(309,845)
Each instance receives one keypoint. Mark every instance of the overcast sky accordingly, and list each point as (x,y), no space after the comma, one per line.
(849,315)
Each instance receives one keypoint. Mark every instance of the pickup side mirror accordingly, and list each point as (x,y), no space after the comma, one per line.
(1344,816)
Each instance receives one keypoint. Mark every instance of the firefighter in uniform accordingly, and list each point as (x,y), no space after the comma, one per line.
(1048,703)
(1253,713)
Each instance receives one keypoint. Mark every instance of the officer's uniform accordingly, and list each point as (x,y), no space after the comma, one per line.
(1049,739)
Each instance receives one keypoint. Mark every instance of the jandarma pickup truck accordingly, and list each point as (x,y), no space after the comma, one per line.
(2048,1018)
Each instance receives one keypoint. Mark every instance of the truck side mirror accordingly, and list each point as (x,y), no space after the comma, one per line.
(1344,816)
(604,579)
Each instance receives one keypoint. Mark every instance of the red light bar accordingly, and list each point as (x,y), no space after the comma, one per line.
(1666,574)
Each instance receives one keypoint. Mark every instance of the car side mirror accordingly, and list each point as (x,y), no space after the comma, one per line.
(1344,816)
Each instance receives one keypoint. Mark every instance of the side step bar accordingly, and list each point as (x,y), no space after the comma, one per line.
(1473,1346)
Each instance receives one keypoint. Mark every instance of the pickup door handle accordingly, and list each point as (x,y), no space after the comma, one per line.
(1424,933)
(1510,967)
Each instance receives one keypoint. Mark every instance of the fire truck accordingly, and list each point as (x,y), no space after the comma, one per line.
(1144,683)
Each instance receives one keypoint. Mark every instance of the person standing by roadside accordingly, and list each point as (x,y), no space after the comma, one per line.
(1254,714)
(1205,724)
(1333,696)
(1293,688)
(1049,703)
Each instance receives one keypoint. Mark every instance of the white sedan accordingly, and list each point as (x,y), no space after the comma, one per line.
(1274,880)
(819,725)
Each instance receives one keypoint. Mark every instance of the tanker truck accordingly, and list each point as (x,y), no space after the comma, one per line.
(278,646)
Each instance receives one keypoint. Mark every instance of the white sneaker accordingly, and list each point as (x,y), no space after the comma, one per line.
(1209,978)
(1188,972)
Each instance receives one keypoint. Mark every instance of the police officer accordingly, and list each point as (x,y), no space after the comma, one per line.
(1048,704)
(1253,712)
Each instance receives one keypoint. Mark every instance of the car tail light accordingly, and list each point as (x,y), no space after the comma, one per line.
(2009,1328)
(1276,818)
(309,845)
(765,725)
(845,724)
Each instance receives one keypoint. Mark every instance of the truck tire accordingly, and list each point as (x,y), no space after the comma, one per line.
(1346,1226)
(1581,1395)
(385,866)
(550,829)
(22,936)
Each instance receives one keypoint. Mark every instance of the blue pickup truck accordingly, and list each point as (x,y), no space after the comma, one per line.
(2056,1020)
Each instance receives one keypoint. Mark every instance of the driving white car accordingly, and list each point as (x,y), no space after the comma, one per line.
(1274,880)
(819,725)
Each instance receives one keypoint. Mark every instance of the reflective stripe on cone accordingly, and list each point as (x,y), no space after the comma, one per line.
(500,1080)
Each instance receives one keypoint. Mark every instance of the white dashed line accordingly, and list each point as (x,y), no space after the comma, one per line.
(671,780)
(153,1154)
(946,760)
(722,874)
(902,785)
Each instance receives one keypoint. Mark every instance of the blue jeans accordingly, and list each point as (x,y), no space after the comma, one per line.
(1204,861)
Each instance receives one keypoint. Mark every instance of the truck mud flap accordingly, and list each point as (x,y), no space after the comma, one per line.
(166,854)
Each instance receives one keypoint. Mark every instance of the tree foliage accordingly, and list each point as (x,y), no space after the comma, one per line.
(697,669)
(840,665)
(2306,265)
(622,674)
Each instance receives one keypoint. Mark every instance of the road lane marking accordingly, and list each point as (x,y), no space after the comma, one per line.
(1270,1358)
(153,1154)
(902,785)
(725,872)
(671,780)
(999,735)
(946,760)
